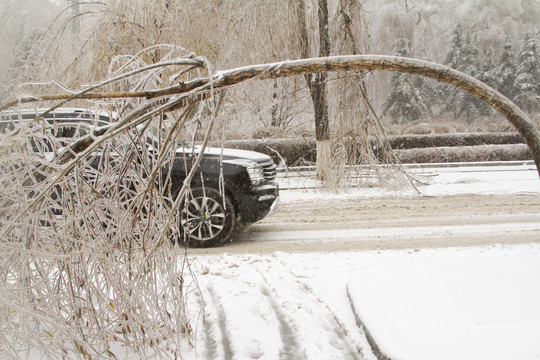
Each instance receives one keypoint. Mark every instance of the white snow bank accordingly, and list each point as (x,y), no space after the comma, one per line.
(477,303)
(452,303)
(504,178)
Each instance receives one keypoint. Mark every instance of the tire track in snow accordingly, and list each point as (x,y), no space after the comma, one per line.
(290,347)
(307,343)
(355,349)
(240,324)
(210,345)
(218,325)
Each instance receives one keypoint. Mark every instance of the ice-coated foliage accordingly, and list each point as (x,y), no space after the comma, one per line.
(87,268)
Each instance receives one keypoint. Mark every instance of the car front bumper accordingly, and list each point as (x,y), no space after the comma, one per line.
(259,203)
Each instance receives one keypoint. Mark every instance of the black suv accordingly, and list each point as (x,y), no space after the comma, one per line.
(230,190)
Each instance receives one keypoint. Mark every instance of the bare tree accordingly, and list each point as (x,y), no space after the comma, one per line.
(352,112)
(87,269)
(68,282)
(317,82)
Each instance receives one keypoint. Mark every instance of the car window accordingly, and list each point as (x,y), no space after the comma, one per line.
(6,126)
(59,130)
(69,131)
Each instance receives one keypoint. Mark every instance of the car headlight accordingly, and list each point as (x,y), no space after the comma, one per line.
(256,174)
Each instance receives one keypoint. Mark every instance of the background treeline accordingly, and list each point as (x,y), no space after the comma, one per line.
(62,45)
(515,73)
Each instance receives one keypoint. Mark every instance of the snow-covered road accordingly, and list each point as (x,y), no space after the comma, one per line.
(447,274)
(392,223)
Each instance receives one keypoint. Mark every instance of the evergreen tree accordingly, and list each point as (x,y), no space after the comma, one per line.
(453,58)
(449,96)
(506,72)
(489,76)
(465,57)
(468,61)
(527,88)
(404,102)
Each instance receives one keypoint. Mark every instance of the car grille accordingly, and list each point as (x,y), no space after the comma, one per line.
(269,169)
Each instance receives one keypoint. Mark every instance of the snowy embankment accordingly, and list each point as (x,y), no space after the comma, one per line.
(475,303)
(451,303)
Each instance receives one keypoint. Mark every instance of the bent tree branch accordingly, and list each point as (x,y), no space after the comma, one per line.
(441,73)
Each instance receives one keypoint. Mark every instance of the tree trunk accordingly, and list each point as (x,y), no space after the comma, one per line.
(441,73)
(322,127)
(275,121)
(317,85)
(320,101)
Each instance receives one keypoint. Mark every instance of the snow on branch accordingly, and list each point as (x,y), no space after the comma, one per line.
(236,76)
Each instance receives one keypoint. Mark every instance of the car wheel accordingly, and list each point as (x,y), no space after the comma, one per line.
(207,218)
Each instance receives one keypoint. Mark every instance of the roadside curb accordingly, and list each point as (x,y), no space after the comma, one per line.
(422,165)
(374,347)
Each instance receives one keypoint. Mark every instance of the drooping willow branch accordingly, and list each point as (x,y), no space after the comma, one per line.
(87,92)
(492,97)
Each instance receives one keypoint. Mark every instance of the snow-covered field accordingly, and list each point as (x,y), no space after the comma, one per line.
(451,303)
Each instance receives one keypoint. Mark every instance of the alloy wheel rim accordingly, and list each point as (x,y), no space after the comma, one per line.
(203,218)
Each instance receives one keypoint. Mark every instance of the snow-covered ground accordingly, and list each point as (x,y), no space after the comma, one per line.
(451,303)
(435,180)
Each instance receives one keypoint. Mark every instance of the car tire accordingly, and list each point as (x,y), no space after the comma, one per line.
(206,218)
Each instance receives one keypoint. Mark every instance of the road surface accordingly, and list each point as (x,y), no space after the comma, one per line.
(461,205)
(392,223)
